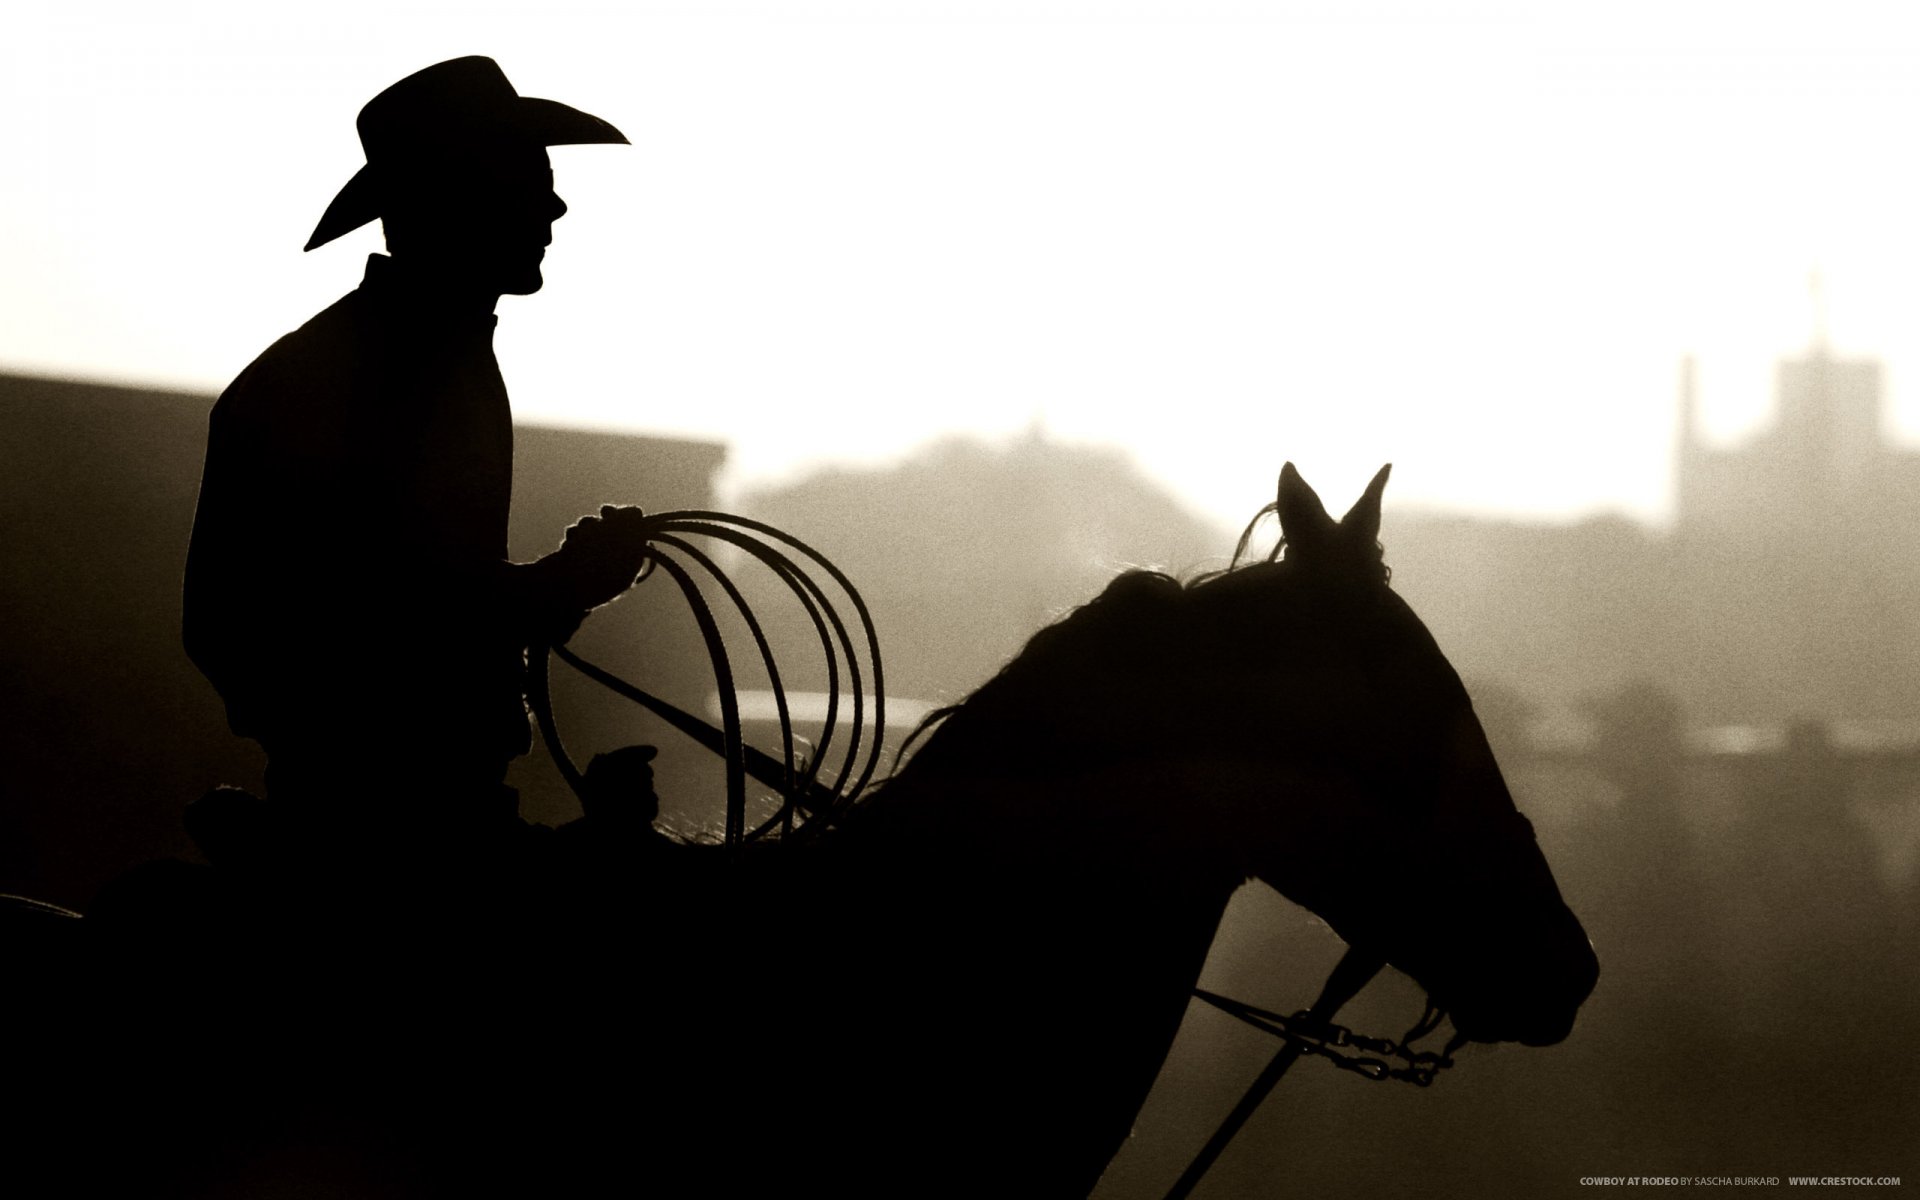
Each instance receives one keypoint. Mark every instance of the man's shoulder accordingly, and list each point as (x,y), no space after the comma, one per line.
(324,359)
(305,393)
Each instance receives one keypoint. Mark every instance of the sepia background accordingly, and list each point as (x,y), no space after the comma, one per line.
(991,300)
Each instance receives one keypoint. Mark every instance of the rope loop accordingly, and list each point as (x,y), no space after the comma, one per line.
(806,804)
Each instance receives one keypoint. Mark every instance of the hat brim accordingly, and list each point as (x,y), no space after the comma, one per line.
(546,122)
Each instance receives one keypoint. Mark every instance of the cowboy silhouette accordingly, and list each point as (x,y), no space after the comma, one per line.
(348,590)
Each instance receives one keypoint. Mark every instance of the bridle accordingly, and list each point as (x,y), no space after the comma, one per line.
(1329,1041)
(1312,1032)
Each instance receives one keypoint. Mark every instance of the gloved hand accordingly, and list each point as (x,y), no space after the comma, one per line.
(597,561)
(602,555)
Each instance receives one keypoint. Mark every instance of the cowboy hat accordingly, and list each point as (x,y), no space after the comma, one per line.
(461,104)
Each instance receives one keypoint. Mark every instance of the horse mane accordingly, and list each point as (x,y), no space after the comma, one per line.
(1132,609)
(1136,626)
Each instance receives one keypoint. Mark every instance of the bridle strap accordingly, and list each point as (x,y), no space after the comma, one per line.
(1354,971)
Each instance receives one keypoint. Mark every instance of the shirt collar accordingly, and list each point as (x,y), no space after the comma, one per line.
(417,299)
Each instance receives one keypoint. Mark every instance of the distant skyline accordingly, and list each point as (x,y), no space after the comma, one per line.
(1475,239)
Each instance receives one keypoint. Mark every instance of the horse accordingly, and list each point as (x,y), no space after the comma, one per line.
(966,983)
(978,971)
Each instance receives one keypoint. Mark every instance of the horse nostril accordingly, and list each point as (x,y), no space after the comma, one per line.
(1589,976)
(1562,995)
(1530,996)
(1547,1032)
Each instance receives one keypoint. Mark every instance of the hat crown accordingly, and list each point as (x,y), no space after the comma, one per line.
(458,102)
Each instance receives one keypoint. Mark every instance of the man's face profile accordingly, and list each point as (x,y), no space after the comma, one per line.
(483,219)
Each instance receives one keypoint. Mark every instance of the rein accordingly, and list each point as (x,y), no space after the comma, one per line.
(1312,1031)
(1326,1039)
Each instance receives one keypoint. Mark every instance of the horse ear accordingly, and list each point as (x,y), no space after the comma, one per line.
(1362,523)
(1303,519)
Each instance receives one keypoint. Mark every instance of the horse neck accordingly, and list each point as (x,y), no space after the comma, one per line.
(1087,851)
(1062,922)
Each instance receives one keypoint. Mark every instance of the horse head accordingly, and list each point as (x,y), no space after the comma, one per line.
(1417,853)
(1293,720)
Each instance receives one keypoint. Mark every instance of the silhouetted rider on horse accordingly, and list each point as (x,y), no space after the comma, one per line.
(351,976)
(348,589)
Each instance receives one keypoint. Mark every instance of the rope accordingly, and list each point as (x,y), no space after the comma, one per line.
(866,622)
(736,819)
(797,783)
(811,594)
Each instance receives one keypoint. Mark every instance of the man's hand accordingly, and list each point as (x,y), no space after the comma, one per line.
(601,555)
(599,559)
(617,791)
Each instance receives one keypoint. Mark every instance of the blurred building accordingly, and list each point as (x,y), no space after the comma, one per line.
(964,550)
(1823,467)
(1801,548)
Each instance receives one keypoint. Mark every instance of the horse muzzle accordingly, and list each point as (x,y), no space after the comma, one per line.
(1526,990)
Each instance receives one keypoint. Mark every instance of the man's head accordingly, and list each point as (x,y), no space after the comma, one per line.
(481,222)
(457,170)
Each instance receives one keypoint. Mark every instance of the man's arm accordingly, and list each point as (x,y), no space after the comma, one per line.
(545,600)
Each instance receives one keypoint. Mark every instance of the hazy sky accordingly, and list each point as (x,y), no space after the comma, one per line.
(1472,239)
